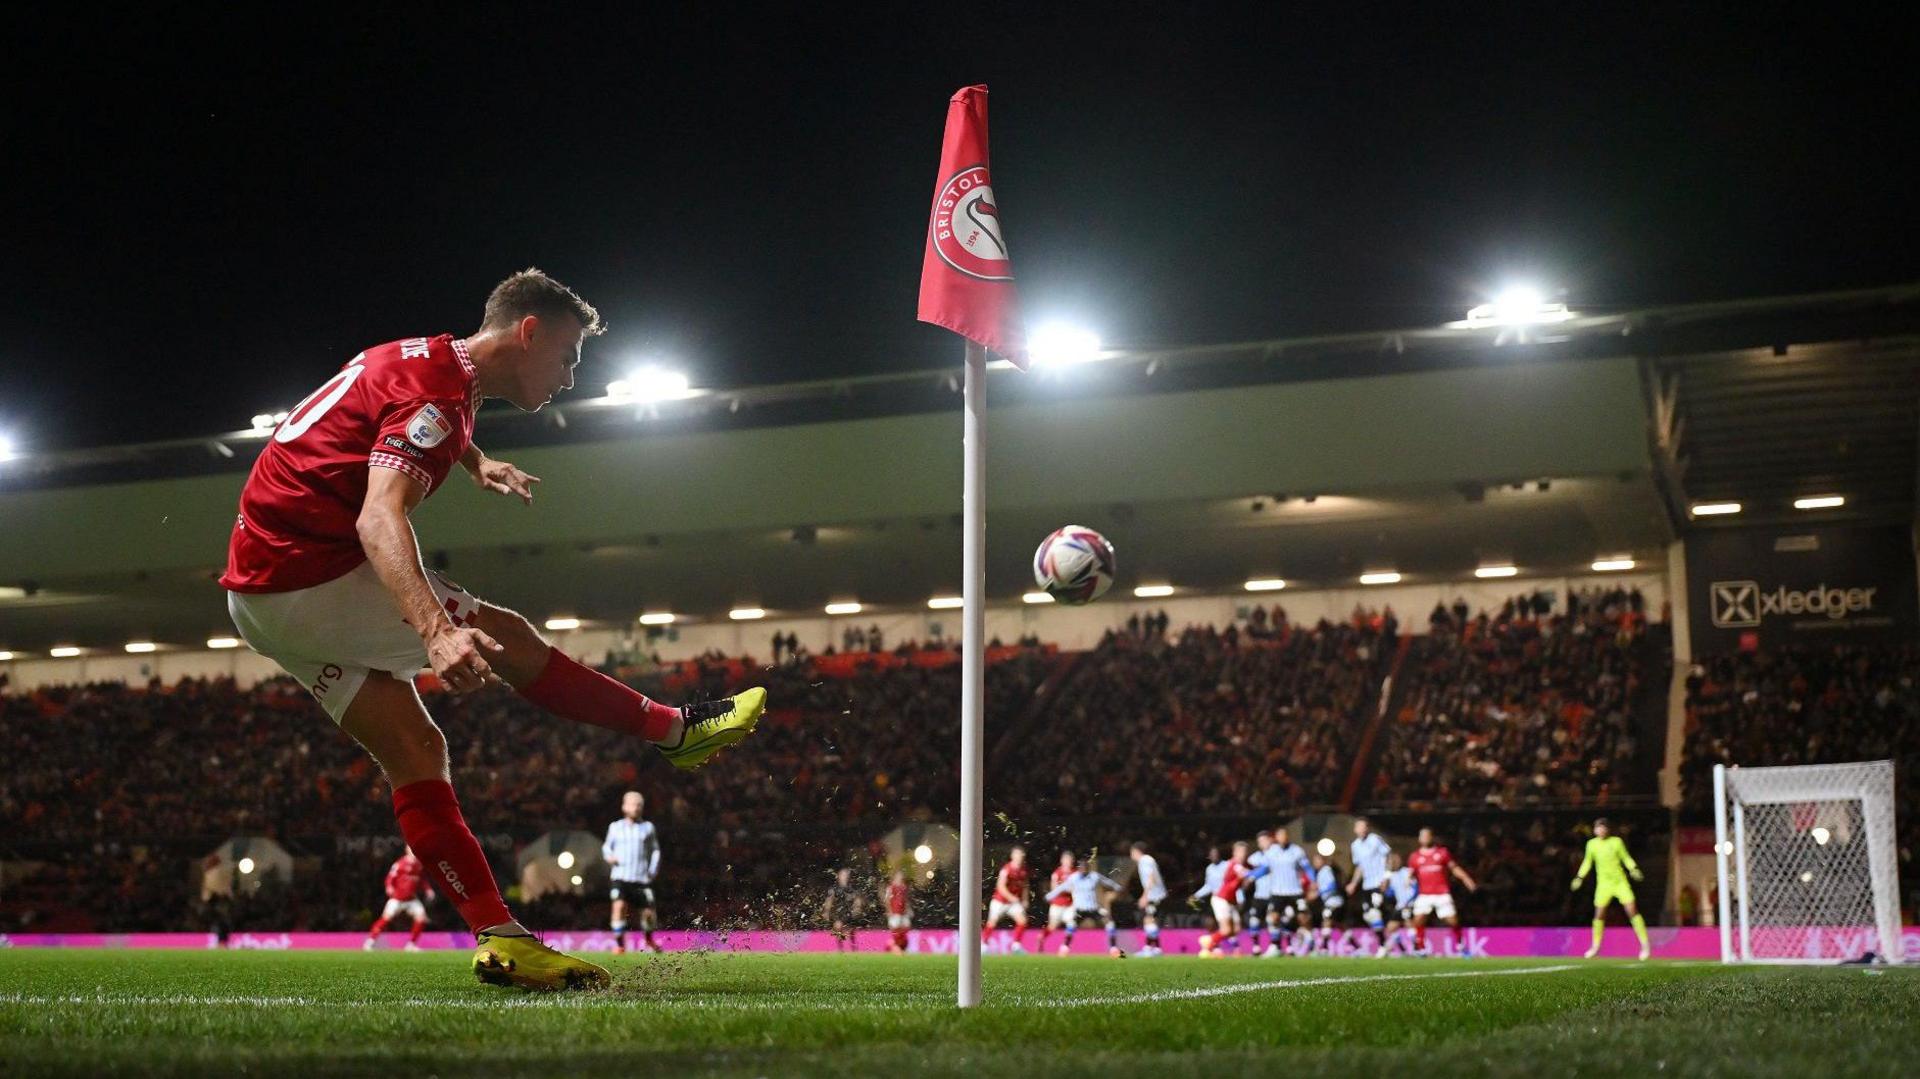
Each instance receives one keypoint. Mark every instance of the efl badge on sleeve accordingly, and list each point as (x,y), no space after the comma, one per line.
(428,427)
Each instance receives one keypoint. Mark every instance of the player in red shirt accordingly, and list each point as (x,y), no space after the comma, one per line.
(899,912)
(1432,865)
(324,578)
(1060,908)
(1010,899)
(407,891)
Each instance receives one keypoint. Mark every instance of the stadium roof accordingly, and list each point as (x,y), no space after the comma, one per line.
(1427,451)
(1748,398)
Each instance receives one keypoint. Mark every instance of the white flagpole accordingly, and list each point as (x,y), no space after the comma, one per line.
(973,506)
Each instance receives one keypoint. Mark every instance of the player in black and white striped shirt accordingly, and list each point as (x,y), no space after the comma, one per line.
(632,849)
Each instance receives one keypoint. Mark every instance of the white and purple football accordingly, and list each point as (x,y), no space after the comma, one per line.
(1074,565)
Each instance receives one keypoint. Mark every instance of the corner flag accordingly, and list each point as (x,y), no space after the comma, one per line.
(966,277)
(966,285)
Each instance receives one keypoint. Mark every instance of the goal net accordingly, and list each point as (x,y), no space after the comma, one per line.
(1808,871)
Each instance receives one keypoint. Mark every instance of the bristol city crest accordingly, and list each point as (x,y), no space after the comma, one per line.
(966,227)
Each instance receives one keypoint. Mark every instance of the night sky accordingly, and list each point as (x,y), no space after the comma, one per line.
(202,220)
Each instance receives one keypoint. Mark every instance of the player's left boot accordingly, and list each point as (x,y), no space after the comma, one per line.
(712,726)
(525,962)
(1646,952)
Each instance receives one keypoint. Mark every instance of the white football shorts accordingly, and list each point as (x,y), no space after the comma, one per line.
(1440,906)
(1059,917)
(899,921)
(997,910)
(413,908)
(1225,913)
(332,635)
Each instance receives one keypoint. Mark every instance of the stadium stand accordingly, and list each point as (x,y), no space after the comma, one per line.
(1526,706)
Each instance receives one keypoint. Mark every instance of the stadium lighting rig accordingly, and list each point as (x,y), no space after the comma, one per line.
(141,647)
(1612,565)
(1516,305)
(562,623)
(1382,576)
(1489,572)
(1061,344)
(65,651)
(223,642)
(6,655)
(1153,591)
(848,607)
(946,603)
(1265,584)
(657,618)
(1820,502)
(650,384)
(747,614)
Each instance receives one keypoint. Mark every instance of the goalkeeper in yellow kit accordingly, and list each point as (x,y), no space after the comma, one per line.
(1607,857)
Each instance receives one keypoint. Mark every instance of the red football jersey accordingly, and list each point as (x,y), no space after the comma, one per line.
(1229,889)
(1060,877)
(896,898)
(1431,867)
(1016,881)
(406,405)
(406,879)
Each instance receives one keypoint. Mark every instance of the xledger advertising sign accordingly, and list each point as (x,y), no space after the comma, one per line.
(1763,587)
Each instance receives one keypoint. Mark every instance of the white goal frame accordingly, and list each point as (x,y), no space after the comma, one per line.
(1751,908)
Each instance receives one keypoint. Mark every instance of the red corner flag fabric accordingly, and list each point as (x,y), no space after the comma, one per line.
(966,279)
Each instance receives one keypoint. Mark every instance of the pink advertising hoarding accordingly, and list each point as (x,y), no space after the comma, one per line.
(1544,942)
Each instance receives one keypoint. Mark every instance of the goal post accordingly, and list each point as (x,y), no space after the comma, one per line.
(1807,865)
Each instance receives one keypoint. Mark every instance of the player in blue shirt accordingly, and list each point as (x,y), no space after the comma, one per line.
(1289,874)
(1084,886)
(1326,882)
(1401,890)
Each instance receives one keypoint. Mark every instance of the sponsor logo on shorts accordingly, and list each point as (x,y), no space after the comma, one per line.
(329,674)
(428,427)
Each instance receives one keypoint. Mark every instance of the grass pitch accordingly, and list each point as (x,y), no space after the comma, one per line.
(289,1014)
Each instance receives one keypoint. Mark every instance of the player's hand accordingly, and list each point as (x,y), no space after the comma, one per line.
(1636,874)
(458,656)
(1351,886)
(1579,883)
(613,861)
(504,479)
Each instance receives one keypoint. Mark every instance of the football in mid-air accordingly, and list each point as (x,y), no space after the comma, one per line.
(1074,565)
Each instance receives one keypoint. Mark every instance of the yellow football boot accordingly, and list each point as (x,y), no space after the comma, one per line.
(529,964)
(714,725)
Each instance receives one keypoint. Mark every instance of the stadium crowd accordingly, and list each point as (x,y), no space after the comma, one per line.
(1158,733)
(1525,706)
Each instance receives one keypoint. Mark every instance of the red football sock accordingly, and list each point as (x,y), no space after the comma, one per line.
(1019,936)
(431,823)
(379,926)
(580,693)
(417,927)
(1419,937)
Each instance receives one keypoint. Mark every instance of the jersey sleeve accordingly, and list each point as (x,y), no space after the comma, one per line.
(421,438)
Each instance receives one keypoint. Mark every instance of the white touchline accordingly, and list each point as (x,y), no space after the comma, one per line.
(791,999)
(1203,992)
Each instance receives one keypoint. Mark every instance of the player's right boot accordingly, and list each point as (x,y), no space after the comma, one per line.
(529,964)
(1591,952)
(712,726)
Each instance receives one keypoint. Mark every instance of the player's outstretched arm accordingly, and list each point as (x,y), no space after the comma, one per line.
(1464,878)
(498,476)
(393,550)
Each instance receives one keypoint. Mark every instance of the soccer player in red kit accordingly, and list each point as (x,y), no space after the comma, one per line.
(407,892)
(324,578)
(899,912)
(1009,899)
(1060,909)
(1432,865)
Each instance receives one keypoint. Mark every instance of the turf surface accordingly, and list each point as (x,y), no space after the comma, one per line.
(292,1014)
